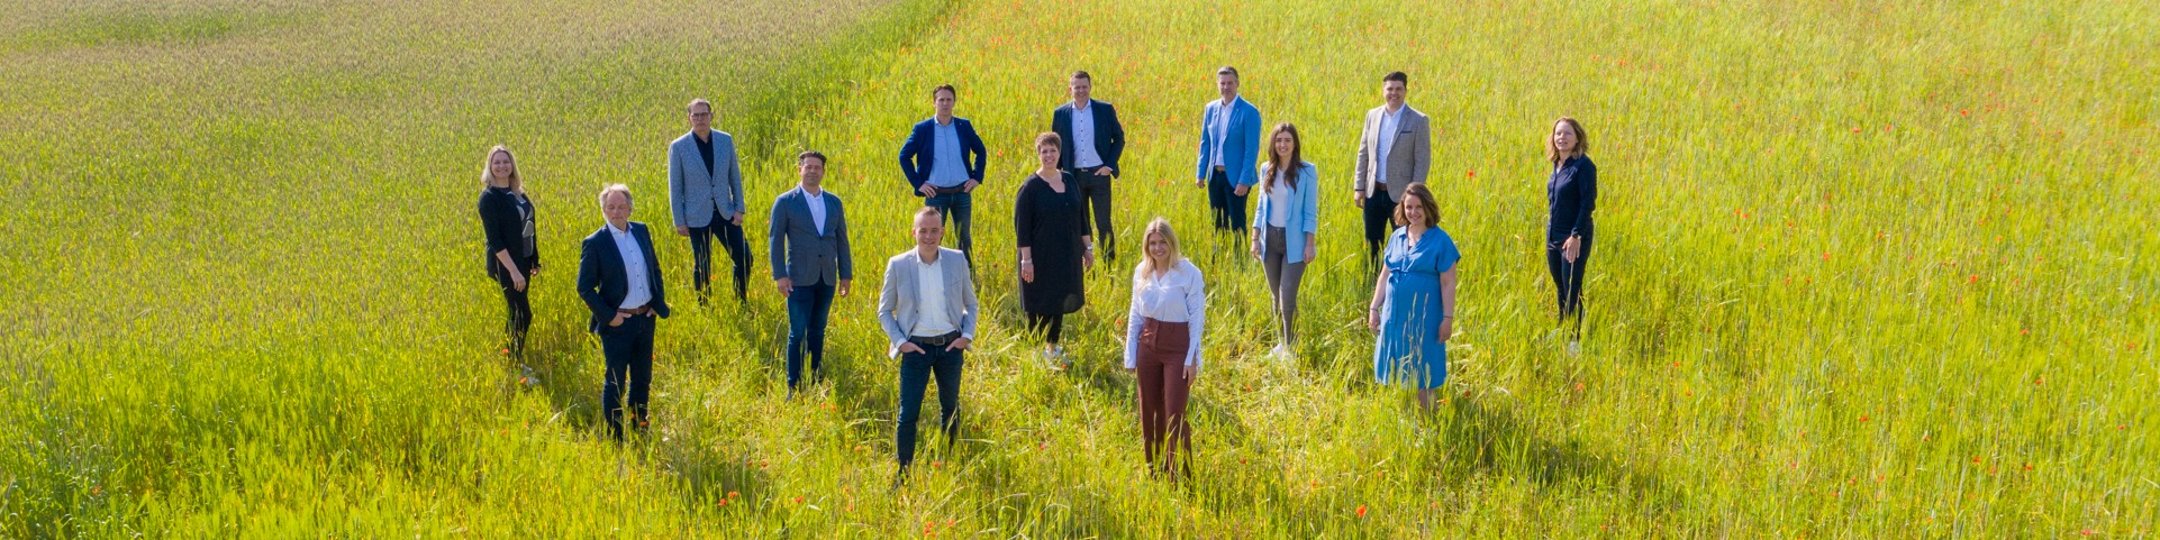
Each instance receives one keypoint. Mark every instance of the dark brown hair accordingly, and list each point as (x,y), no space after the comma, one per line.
(1424,197)
(1276,166)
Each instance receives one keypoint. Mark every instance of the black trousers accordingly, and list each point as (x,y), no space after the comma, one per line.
(520,313)
(1228,205)
(1051,326)
(731,238)
(1567,278)
(629,351)
(1379,221)
(1095,195)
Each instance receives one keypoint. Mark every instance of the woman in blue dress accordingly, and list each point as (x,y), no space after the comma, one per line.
(1413,303)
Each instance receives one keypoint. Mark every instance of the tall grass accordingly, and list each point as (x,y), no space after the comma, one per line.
(1863,270)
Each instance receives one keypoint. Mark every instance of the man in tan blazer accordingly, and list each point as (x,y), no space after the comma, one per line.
(1394,150)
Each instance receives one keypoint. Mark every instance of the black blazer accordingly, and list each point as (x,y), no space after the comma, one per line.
(1570,195)
(603,282)
(1109,135)
(504,217)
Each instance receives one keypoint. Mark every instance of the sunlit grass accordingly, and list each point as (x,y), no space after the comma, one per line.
(1862,271)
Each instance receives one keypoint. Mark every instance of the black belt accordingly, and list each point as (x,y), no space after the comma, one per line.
(636,311)
(935,341)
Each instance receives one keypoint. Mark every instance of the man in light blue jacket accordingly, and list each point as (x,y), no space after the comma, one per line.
(928,311)
(1229,146)
(705,192)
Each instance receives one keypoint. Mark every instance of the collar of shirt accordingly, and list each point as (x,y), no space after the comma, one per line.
(619,232)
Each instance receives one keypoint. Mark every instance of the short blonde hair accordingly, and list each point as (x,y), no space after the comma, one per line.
(613,189)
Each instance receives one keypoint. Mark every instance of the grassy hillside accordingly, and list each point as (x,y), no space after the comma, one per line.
(1863,270)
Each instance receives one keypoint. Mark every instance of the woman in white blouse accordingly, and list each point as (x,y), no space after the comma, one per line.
(1162,343)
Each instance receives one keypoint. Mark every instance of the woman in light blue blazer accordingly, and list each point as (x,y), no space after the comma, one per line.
(1286,219)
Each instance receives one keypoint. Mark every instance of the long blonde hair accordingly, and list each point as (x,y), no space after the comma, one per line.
(487,170)
(1148,268)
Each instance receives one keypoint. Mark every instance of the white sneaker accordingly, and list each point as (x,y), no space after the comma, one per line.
(1574,347)
(1280,352)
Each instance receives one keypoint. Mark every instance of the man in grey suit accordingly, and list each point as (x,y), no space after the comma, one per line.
(705,191)
(1394,150)
(928,311)
(811,264)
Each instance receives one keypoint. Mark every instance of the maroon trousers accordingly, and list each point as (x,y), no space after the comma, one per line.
(1163,391)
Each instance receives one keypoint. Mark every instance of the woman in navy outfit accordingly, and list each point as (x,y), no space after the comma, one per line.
(1570,195)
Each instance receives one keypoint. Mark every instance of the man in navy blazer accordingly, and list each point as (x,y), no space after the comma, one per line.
(811,263)
(1092,141)
(619,279)
(943,161)
(705,193)
(1229,148)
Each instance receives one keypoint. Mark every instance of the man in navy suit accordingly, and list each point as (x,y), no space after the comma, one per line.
(619,279)
(1093,140)
(705,193)
(1229,150)
(943,160)
(811,263)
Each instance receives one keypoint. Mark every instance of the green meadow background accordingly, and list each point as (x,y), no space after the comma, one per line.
(1864,270)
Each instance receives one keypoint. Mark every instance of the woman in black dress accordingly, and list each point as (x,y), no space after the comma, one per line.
(1570,196)
(1055,248)
(512,257)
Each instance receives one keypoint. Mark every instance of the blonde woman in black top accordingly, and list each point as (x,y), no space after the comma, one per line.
(513,258)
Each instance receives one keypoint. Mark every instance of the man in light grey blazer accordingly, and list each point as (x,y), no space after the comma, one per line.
(1394,150)
(928,311)
(811,263)
(705,191)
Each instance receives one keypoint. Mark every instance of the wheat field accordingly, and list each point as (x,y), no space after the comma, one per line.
(1865,270)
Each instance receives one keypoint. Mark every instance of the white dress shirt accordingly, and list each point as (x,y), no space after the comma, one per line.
(816,200)
(933,317)
(1083,130)
(1390,123)
(633,262)
(1179,295)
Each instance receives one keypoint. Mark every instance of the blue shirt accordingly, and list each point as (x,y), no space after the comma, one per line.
(1083,130)
(1390,122)
(947,169)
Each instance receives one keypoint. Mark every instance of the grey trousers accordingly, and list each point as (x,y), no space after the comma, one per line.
(1282,281)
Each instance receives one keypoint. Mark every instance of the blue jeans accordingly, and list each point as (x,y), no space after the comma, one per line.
(808,308)
(959,209)
(915,372)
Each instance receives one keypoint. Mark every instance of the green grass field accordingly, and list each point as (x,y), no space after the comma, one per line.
(1864,270)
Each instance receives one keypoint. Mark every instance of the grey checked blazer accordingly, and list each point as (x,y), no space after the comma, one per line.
(1408,162)
(802,253)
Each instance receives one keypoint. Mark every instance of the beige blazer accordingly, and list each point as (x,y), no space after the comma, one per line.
(1408,162)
